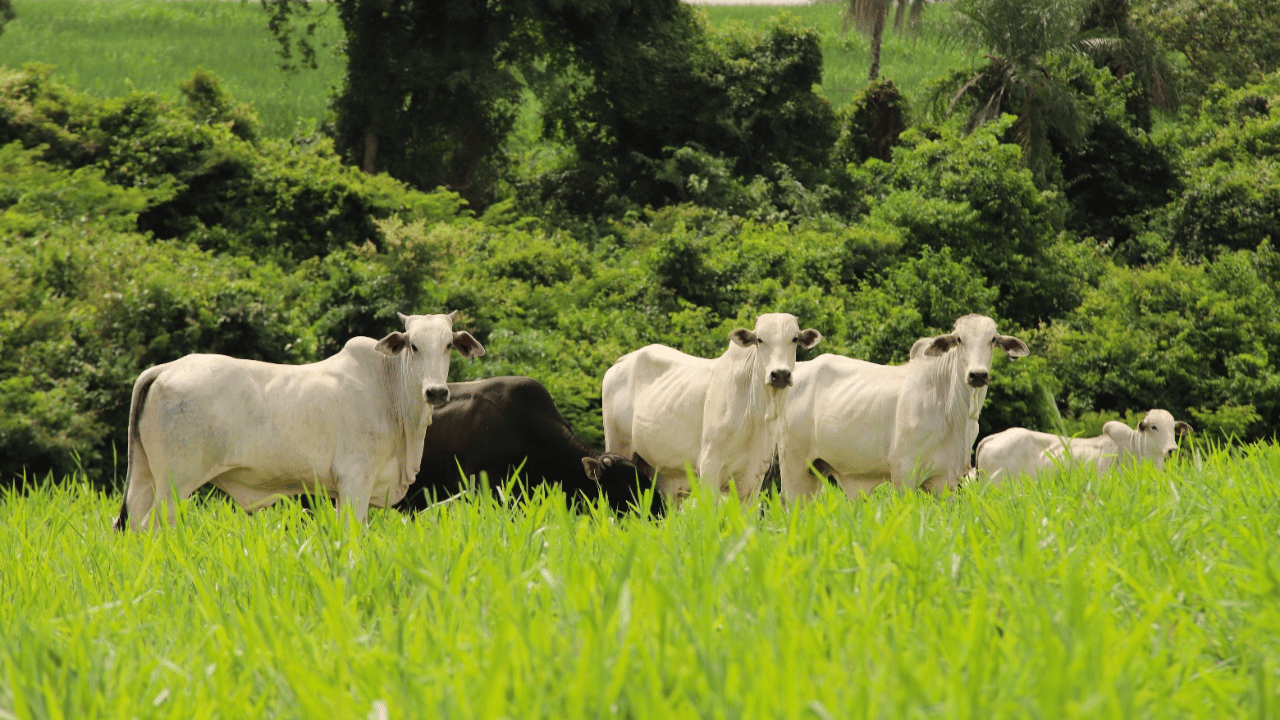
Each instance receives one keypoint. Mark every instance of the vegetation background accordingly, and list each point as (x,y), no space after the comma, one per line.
(150,212)
(579,181)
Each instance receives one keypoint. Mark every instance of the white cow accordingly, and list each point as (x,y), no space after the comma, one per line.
(1018,451)
(911,424)
(351,424)
(720,417)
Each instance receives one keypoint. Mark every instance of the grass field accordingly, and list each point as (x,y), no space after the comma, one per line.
(1154,594)
(110,47)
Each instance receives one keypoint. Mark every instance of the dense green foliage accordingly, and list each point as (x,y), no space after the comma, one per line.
(644,189)
(139,228)
(1146,594)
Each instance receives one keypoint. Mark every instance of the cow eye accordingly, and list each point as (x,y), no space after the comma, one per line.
(413,347)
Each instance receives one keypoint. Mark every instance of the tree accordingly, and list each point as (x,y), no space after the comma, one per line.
(1228,42)
(1025,38)
(869,16)
(432,91)
(1137,54)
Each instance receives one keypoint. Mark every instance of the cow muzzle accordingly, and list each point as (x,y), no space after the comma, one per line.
(437,395)
(979,378)
(779,379)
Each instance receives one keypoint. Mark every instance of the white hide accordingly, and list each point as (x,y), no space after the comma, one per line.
(718,417)
(912,424)
(352,424)
(1019,451)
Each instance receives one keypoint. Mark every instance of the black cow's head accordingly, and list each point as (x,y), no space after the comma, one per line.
(622,481)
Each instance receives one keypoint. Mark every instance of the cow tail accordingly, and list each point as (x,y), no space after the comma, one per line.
(135,452)
(978,452)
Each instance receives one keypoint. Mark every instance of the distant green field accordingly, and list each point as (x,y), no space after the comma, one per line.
(908,59)
(109,47)
(1147,595)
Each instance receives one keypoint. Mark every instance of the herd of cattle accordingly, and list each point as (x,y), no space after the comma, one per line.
(355,425)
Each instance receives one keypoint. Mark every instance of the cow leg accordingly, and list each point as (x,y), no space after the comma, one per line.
(798,484)
(675,488)
(354,492)
(139,496)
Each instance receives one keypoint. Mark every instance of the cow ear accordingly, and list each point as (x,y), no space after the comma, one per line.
(593,468)
(941,344)
(918,347)
(808,338)
(1142,426)
(1118,432)
(1181,428)
(404,319)
(393,344)
(1012,346)
(743,337)
(467,346)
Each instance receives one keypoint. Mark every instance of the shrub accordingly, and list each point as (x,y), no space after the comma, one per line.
(1197,340)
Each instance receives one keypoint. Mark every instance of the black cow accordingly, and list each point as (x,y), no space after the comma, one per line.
(495,425)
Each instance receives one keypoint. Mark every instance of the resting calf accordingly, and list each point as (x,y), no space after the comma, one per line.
(1019,451)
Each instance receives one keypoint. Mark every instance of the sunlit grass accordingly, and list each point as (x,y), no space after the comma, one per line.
(1154,594)
(111,47)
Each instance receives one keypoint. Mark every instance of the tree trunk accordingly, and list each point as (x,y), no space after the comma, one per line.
(370,163)
(877,35)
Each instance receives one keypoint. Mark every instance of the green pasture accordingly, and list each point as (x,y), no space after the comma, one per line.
(108,48)
(111,47)
(1152,594)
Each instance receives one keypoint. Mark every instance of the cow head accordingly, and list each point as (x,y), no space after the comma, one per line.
(424,347)
(776,337)
(621,480)
(975,339)
(1155,438)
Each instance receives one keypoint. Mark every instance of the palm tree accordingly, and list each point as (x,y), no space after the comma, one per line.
(869,17)
(1023,36)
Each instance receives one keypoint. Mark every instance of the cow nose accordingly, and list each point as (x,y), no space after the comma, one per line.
(780,378)
(979,378)
(438,395)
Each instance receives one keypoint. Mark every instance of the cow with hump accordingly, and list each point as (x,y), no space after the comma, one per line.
(502,424)
(1019,451)
(912,424)
(720,417)
(351,424)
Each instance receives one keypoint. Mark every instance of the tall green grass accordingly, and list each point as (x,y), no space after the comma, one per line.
(1153,594)
(111,47)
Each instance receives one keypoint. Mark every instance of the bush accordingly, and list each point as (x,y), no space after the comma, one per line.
(225,192)
(970,193)
(1197,340)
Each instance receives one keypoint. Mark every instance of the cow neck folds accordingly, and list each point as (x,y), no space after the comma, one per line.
(959,401)
(407,417)
(745,370)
